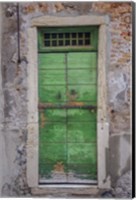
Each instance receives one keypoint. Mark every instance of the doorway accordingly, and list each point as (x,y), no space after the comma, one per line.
(68,105)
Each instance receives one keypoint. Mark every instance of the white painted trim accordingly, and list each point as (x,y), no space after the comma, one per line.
(102,119)
(1,109)
(32,76)
(70,21)
(102,125)
(0,120)
(32,98)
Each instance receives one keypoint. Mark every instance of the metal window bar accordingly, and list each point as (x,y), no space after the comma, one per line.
(66,39)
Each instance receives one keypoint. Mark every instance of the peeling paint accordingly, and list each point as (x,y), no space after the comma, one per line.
(15,86)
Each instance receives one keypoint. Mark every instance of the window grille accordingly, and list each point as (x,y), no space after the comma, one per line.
(67,39)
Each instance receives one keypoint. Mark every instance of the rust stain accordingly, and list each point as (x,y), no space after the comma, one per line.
(43,120)
(59,167)
(72,95)
(59,7)
(43,105)
(29,8)
(74,103)
(18,70)
(43,6)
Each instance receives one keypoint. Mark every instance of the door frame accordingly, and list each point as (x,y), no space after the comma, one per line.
(102,118)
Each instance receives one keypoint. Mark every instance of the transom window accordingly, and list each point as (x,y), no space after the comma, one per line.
(72,39)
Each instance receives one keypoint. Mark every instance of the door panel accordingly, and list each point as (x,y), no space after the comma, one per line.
(82,76)
(47,61)
(85,60)
(82,93)
(55,115)
(52,93)
(54,132)
(82,153)
(67,135)
(80,115)
(54,153)
(81,132)
(51,77)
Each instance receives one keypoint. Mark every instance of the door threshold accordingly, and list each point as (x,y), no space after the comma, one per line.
(68,185)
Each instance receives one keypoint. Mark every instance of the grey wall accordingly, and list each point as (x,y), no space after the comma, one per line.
(13,78)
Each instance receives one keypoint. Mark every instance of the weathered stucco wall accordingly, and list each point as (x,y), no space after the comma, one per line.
(14,85)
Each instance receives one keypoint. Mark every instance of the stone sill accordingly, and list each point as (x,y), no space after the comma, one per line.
(66,190)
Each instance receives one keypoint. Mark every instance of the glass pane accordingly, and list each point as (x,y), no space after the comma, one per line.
(61,35)
(53,60)
(80,42)
(87,35)
(74,35)
(82,153)
(54,43)
(79,115)
(52,132)
(54,35)
(80,35)
(82,93)
(82,60)
(73,42)
(82,76)
(61,42)
(81,132)
(52,94)
(47,43)
(47,35)
(87,42)
(67,42)
(67,35)
(49,77)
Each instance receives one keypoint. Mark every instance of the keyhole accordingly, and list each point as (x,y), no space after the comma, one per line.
(59,95)
(73,92)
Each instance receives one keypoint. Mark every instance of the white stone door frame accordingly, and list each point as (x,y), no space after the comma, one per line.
(102,119)
(1,108)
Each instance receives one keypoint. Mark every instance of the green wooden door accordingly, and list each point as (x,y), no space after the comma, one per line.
(67,117)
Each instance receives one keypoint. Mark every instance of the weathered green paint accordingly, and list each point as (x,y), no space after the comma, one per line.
(81,132)
(47,61)
(85,60)
(67,137)
(79,115)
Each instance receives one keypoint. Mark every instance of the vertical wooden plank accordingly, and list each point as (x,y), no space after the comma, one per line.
(52,134)
(82,70)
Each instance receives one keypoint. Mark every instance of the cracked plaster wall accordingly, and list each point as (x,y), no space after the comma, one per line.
(14,85)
